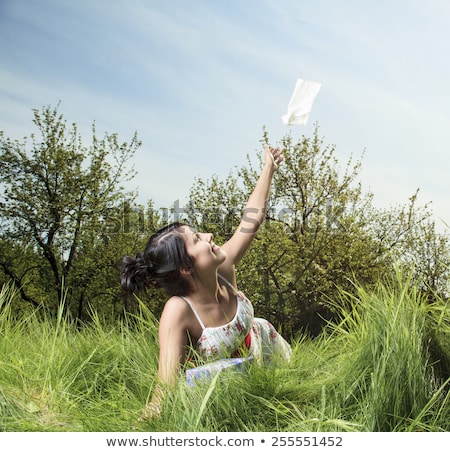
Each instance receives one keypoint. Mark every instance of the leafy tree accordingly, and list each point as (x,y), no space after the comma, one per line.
(57,197)
(318,223)
(408,234)
(15,259)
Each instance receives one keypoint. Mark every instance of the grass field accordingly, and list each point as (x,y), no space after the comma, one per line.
(385,367)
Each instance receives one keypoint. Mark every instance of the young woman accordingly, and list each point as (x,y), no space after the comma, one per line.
(205,308)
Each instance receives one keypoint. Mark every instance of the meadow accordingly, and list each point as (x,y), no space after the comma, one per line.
(385,366)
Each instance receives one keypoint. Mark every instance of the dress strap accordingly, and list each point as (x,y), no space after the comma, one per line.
(195,312)
(228,284)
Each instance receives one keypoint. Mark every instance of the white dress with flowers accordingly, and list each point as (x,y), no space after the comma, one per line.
(257,335)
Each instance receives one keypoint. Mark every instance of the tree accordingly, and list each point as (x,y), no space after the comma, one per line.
(57,197)
(408,234)
(316,238)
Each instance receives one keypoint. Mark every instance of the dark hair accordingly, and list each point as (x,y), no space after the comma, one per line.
(159,264)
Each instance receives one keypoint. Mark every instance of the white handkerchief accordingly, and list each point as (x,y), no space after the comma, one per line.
(301,102)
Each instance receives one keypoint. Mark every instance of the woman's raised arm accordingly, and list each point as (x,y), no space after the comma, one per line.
(255,209)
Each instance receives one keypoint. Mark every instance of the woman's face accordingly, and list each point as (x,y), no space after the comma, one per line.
(203,251)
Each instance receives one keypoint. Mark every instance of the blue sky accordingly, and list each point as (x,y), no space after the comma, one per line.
(198,80)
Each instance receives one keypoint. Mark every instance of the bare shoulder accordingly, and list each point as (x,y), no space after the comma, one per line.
(176,311)
(177,319)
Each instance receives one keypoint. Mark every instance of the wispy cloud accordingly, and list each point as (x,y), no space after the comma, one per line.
(198,81)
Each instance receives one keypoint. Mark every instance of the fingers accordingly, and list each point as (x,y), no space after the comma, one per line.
(152,410)
(276,155)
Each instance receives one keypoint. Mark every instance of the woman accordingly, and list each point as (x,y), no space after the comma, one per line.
(205,307)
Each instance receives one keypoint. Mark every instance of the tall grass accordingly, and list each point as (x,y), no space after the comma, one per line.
(384,367)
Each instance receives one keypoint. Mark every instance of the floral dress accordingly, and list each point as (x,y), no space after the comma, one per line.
(257,335)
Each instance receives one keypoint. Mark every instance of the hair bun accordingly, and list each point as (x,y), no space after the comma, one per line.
(136,273)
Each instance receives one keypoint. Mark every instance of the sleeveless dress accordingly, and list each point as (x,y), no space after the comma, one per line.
(256,335)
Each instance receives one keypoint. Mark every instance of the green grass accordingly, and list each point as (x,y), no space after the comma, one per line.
(385,367)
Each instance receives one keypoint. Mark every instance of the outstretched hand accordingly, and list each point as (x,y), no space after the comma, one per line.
(273,155)
(151,411)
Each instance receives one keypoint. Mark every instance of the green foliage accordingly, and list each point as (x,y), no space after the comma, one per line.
(60,201)
(377,370)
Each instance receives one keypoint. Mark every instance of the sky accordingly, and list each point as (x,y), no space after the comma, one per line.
(200,80)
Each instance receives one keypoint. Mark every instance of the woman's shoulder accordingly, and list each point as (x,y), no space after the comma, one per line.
(178,318)
(176,310)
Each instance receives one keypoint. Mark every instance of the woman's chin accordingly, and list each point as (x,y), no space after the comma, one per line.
(219,253)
